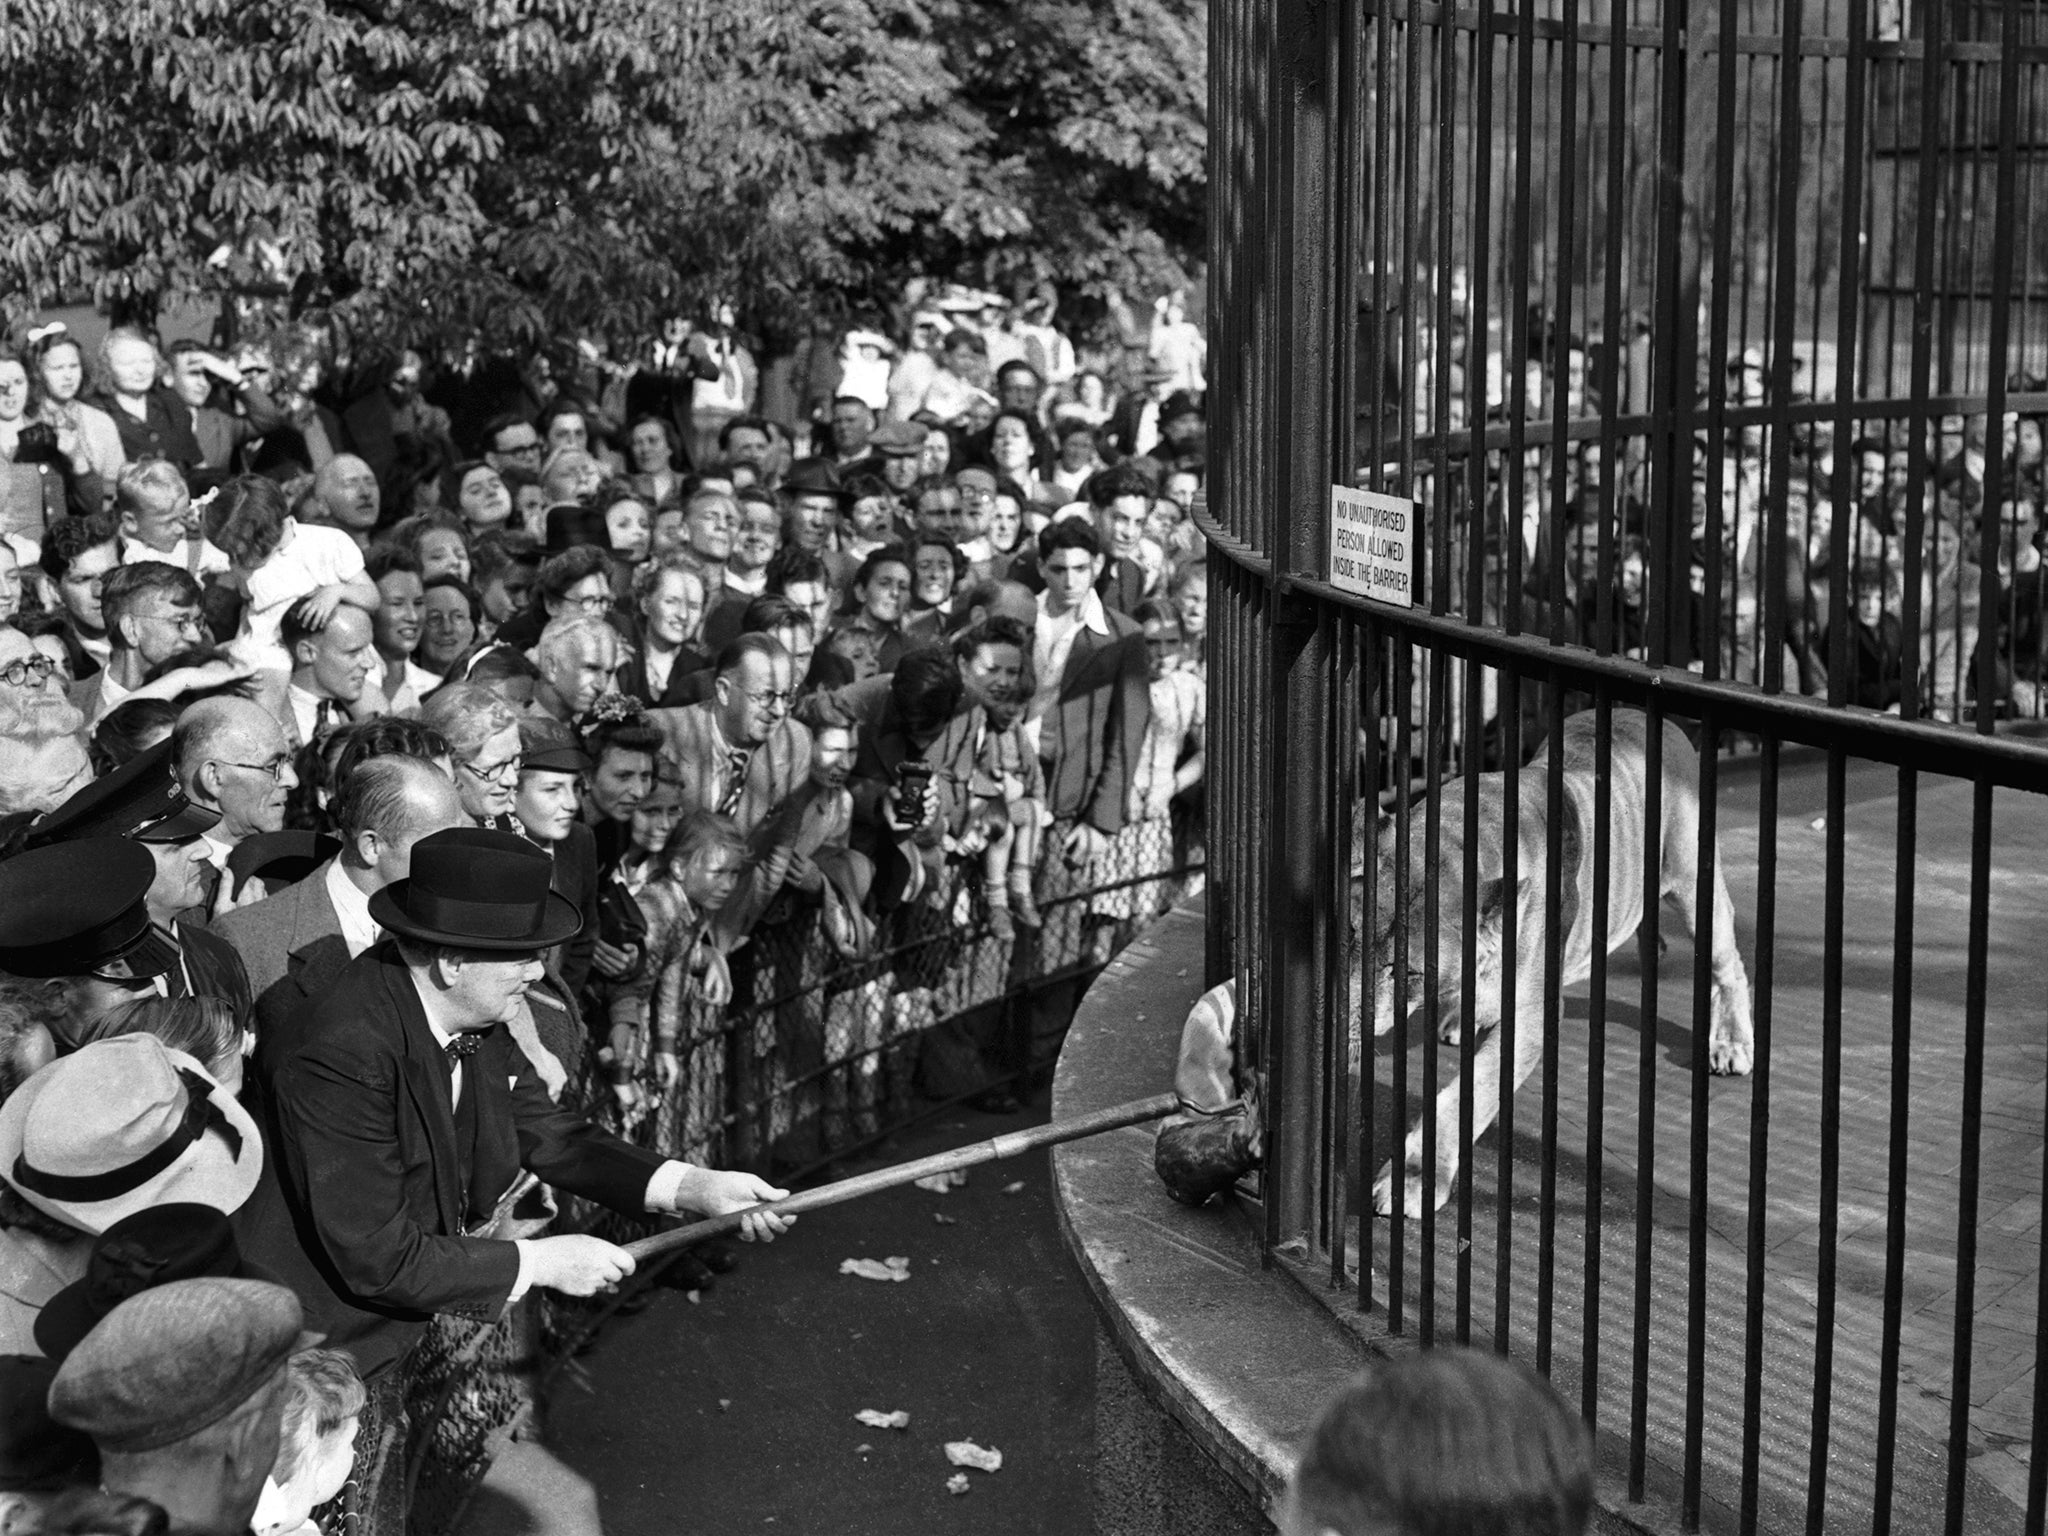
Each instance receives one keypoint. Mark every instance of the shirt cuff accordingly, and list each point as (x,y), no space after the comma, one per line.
(524,1282)
(664,1185)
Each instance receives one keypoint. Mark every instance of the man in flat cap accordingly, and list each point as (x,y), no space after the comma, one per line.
(182,1390)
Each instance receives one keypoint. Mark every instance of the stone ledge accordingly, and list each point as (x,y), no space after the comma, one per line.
(1237,1354)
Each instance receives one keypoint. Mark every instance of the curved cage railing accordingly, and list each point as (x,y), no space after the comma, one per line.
(1624,503)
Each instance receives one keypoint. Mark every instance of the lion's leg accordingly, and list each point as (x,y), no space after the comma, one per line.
(1485,1109)
(1730,1045)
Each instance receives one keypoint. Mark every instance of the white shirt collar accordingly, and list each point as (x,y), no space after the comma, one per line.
(1088,615)
(352,909)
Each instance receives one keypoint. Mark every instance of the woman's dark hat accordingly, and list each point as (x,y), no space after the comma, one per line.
(472,888)
(812,477)
(178,1241)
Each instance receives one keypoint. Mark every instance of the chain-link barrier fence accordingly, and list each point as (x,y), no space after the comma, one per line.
(815,1058)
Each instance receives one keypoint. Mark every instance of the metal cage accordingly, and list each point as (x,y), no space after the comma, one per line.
(1704,346)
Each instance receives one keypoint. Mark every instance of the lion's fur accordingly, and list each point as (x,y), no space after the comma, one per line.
(1729,1044)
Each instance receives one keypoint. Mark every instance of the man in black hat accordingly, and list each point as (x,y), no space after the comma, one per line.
(75,914)
(400,1110)
(142,802)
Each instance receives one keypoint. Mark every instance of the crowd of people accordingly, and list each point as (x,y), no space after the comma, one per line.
(410,768)
(1921,492)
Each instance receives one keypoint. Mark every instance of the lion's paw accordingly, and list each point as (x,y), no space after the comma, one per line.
(1730,1058)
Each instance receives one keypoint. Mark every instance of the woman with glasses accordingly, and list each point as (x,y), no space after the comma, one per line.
(575,584)
(483,739)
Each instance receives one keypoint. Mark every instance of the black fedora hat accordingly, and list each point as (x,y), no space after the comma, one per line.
(570,524)
(472,888)
(182,1240)
(812,477)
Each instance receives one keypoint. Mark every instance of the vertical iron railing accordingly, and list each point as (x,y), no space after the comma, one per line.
(1616,293)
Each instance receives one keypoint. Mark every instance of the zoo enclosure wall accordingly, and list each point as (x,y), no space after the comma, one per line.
(1602,284)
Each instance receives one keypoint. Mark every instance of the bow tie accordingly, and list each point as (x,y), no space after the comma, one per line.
(463,1046)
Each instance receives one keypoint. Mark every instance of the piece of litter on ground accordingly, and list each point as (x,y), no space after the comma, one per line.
(944,1220)
(939,1183)
(724,1403)
(965,1453)
(875,1418)
(1014,1189)
(957,1483)
(693,1297)
(896,1267)
(1819,823)
(863,1449)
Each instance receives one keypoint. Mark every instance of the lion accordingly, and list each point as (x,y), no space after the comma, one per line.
(1730,1043)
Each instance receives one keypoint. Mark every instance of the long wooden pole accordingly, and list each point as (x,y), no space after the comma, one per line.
(1136,1112)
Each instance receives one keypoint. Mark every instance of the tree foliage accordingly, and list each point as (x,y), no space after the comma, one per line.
(516,168)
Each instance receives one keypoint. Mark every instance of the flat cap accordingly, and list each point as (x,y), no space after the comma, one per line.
(897,440)
(551,746)
(175,1360)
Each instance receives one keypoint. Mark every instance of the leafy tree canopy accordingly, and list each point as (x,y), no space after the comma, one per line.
(511,169)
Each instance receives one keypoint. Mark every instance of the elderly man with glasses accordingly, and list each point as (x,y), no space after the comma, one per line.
(232,757)
(42,746)
(739,753)
(483,739)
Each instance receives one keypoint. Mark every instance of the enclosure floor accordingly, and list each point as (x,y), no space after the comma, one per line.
(1781,1366)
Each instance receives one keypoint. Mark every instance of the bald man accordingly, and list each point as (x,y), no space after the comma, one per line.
(346,496)
(296,942)
(231,756)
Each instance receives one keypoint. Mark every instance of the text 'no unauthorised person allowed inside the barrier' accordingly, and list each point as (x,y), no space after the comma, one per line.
(1372,545)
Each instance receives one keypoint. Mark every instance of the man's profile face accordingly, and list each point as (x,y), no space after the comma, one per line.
(753,698)
(252,799)
(79,590)
(484,986)
(582,670)
(349,493)
(343,654)
(158,627)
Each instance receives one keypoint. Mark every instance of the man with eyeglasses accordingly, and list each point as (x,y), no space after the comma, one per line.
(151,611)
(142,803)
(231,757)
(739,753)
(511,441)
(42,745)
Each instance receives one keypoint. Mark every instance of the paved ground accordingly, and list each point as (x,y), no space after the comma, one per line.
(1790,1280)
(737,1413)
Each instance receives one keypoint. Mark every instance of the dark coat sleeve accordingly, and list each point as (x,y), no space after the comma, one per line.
(362,1172)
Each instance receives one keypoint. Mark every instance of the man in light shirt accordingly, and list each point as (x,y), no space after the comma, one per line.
(295,943)
(331,665)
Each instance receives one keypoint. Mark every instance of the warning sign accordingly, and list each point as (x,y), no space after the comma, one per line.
(1372,545)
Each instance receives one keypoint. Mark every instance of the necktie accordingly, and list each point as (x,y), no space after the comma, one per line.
(462,1047)
(735,781)
(323,716)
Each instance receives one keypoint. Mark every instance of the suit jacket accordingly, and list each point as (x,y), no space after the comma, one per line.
(1090,738)
(209,967)
(291,945)
(778,765)
(370,1197)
